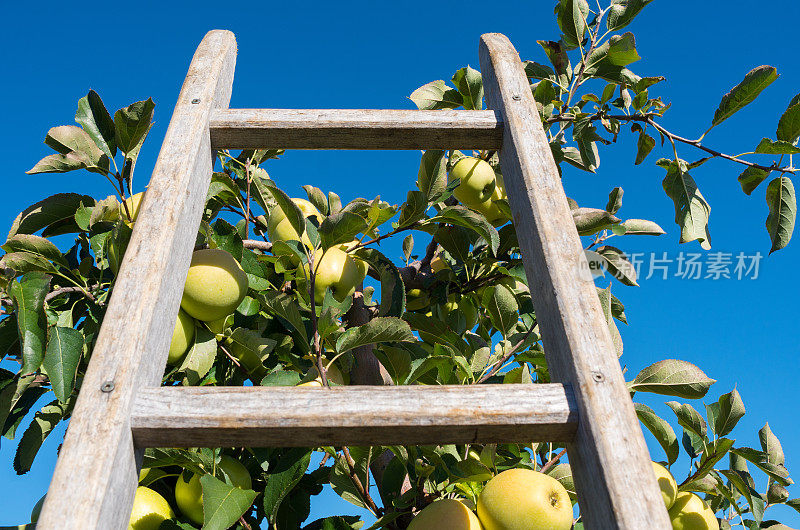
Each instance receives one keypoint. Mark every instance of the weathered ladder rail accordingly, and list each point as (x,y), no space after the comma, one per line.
(121,408)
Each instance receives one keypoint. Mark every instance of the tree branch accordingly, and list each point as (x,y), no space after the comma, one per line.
(499,364)
(64,290)
(553,461)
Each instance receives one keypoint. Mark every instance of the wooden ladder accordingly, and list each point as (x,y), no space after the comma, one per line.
(122,409)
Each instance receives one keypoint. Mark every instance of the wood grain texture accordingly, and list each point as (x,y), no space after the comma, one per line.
(610,462)
(96,473)
(355,129)
(358,415)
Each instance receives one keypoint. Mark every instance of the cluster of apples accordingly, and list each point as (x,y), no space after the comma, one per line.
(515,499)
(480,188)
(686,510)
(335,268)
(522,499)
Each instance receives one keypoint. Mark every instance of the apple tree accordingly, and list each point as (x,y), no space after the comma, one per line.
(322,304)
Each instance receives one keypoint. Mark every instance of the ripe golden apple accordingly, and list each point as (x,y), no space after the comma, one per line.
(215,285)
(445,514)
(149,510)
(189,495)
(690,512)
(522,499)
(438,263)
(477,180)
(335,376)
(132,203)
(182,337)
(669,488)
(335,269)
(280,229)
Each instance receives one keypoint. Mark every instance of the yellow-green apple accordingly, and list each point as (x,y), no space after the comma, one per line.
(215,285)
(522,499)
(690,512)
(335,269)
(150,509)
(438,263)
(131,207)
(477,180)
(182,337)
(669,488)
(280,229)
(189,494)
(445,514)
(332,372)
(417,299)
(37,509)
(462,305)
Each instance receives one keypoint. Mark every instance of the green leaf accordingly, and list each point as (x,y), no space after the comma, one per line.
(432,174)
(751,178)
(47,212)
(393,293)
(34,244)
(461,216)
(93,116)
(672,377)
(534,70)
(413,209)
(287,308)
(408,247)
(622,50)
(622,12)
(339,228)
(644,146)
(61,360)
(642,227)
(606,303)
(691,209)
(571,16)
(132,123)
(661,429)
(789,124)
(688,418)
(379,329)
(760,459)
(589,221)
(776,147)
(744,93)
(28,293)
(223,504)
(66,139)
(200,357)
(281,378)
(24,262)
(469,83)
(782,212)
(501,304)
(60,163)
(728,410)
(614,199)
(283,476)
(41,426)
(317,198)
(618,265)
(771,445)
(436,95)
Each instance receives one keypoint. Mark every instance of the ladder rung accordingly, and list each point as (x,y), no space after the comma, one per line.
(358,415)
(355,129)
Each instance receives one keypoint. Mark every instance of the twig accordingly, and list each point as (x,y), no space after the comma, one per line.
(63,290)
(245,523)
(364,493)
(266,246)
(648,119)
(553,461)
(497,365)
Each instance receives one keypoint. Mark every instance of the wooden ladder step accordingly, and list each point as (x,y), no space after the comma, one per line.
(355,129)
(367,415)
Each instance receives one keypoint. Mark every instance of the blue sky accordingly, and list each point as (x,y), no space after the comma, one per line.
(365,55)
